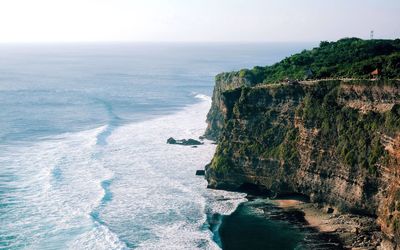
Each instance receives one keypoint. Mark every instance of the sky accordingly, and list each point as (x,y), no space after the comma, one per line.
(25,21)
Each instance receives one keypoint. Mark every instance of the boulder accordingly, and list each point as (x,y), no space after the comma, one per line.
(192,142)
(171,141)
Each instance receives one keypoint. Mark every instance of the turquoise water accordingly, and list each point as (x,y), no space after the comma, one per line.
(248,228)
(260,224)
(83,158)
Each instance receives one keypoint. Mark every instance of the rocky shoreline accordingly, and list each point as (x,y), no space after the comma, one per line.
(323,226)
(341,230)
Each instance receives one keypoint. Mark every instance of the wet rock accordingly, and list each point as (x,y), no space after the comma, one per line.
(171,141)
(200,172)
(185,142)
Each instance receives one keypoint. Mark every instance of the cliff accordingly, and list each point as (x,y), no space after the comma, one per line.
(215,117)
(347,58)
(335,141)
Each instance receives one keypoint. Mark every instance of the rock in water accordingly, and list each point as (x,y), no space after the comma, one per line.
(192,142)
(200,172)
(188,142)
(171,141)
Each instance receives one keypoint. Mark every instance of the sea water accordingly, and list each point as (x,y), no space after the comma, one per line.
(84,162)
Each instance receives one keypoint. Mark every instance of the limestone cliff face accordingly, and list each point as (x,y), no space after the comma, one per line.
(215,119)
(337,142)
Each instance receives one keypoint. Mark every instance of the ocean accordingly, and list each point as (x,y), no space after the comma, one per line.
(84,162)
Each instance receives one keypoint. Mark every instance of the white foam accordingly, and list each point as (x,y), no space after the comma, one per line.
(157,201)
(157,185)
(203,97)
(55,186)
(99,238)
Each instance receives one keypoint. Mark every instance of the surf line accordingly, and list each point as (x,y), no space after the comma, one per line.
(114,121)
(101,143)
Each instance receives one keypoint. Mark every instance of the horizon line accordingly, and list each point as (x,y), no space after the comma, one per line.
(177,41)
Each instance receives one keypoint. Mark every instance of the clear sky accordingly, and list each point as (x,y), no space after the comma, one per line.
(196,20)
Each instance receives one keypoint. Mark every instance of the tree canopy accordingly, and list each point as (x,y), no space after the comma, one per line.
(348,57)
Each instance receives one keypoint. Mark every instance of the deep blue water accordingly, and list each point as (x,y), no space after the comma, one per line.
(249,229)
(83,159)
(51,89)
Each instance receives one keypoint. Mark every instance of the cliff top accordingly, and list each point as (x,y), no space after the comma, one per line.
(346,58)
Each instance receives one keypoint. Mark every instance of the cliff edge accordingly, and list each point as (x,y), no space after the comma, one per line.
(336,141)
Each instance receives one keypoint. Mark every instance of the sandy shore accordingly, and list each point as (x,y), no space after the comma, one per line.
(355,232)
(315,217)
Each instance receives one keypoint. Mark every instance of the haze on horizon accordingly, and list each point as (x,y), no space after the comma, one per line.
(196,20)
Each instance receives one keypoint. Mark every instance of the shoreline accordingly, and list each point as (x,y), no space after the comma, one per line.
(321,227)
(315,217)
(353,231)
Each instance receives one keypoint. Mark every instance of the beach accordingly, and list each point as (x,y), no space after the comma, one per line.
(292,223)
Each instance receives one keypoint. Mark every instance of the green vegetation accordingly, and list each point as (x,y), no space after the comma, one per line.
(334,127)
(257,128)
(271,135)
(267,135)
(220,163)
(355,136)
(348,57)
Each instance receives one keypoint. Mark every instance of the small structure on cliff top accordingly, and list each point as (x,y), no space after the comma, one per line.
(375,74)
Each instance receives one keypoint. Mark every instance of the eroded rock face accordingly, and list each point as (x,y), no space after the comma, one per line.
(336,142)
(378,98)
(224,82)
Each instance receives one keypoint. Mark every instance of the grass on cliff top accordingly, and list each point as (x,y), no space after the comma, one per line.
(348,57)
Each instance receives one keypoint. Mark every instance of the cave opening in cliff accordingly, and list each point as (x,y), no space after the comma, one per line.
(293,196)
(254,189)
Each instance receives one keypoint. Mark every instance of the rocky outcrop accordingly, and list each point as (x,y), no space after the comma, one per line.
(200,172)
(336,142)
(378,98)
(184,142)
(215,117)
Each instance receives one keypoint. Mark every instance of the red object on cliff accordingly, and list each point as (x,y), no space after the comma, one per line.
(375,73)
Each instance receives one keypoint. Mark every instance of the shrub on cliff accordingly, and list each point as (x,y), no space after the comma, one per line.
(357,136)
(221,164)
